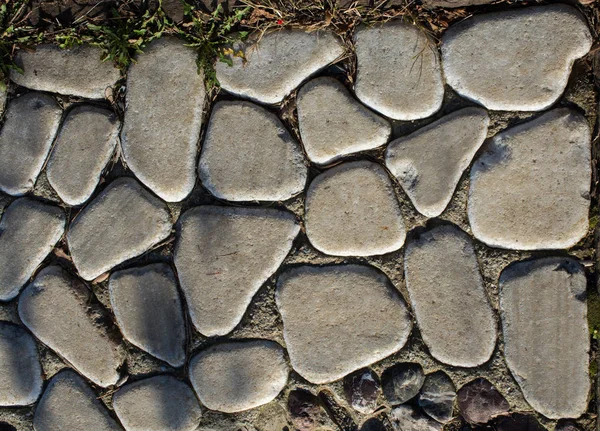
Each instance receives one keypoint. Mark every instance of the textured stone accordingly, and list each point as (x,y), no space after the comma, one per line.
(407,418)
(458,327)
(149,312)
(273,68)
(543,312)
(530,187)
(306,411)
(70,404)
(518,422)
(30,229)
(83,147)
(362,390)
(239,375)
(29,127)
(272,417)
(333,124)
(402,382)
(352,210)
(157,403)
(163,117)
(123,222)
(56,308)
(224,255)
(479,401)
(338,319)
(77,72)
(398,71)
(429,163)
(20,370)
(248,155)
(437,396)
(501,62)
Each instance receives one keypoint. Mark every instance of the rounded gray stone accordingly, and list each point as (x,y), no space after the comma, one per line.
(516,60)
(333,124)
(338,319)
(530,186)
(239,375)
(83,147)
(437,396)
(402,382)
(123,222)
(248,155)
(407,418)
(148,310)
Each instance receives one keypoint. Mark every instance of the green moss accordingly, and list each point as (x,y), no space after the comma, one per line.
(593,368)
(593,303)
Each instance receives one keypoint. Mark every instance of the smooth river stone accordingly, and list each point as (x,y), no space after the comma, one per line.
(407,418)
(479,401)
(437,396)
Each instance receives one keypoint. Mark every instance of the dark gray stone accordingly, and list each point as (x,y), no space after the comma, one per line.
(479,401)
(402,382)
(437,396)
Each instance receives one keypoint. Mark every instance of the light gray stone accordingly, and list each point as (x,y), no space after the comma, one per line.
(248,155)
(398,71)
(56,308)
(458,326)
(69,403)
(332,123)
(123,222)
(83,147)
(429,163)
(239,375)
(163,117)
(20,370)
(516,60)
(29,128)
(546,338)
(407,418)
(149,312)
(30,229)
(274,64)
(338,319)
(437,396)
(352,210)
(77,72)
(530,187)
(224,255)
(156,404)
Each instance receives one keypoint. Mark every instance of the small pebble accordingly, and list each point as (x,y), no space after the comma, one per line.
(362,390)
(407,418)
(437,396)
(479,401)
(305,410)
(402,382)
(518,422)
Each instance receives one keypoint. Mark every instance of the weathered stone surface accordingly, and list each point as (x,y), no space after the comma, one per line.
(362,389)
(402,382)
(248,155)
(239,375)
(83,147)
(306,411)
(163,117)
(429,163)
(459,325)
(338,319)
(497,60)
(518,422)
(30,229)
(530,188)
(398,71)
(345,219)
(479,401)
(70,404)
(224,255)
(56,308)
(20,370)
(78,72)
(157,403)
(437,396)
(546,339)
(29,127)
(332,123)
(273,68)
(407,418)
(149,312)
(123,222)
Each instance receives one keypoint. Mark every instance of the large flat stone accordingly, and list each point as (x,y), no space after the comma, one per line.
(429,163)
(29,127)
(30,229)
(56,308)
(516,60)
(398,71)
(224,255)
(338,319)
(83,147)
(248,155)
(77,72)
(546,338)
(447,295)
(123,222)
(275,65)
(530,187)
(352,210)
(163,116)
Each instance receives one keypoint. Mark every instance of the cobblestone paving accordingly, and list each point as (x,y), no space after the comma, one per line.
(404,251)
